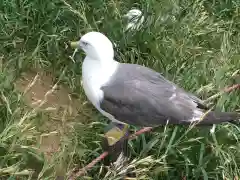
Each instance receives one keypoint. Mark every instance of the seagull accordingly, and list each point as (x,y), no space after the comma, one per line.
(136,95)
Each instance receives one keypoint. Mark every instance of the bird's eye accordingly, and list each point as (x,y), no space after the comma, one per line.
(84,43)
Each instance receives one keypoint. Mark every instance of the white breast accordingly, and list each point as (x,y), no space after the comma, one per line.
(94,75)
(91,76)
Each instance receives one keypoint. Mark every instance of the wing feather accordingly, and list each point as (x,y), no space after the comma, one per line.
(140,96)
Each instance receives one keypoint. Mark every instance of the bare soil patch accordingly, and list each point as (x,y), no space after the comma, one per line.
(60,108)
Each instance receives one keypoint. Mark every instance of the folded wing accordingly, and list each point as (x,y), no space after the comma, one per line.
(139,96)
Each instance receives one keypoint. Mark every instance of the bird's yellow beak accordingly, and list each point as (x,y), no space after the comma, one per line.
(74,44)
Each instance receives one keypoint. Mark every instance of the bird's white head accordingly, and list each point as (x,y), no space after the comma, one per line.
(96,46)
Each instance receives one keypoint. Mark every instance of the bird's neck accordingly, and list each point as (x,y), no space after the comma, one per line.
(98,71)
(94,75)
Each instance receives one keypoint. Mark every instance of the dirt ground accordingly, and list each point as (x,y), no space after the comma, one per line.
(58,105)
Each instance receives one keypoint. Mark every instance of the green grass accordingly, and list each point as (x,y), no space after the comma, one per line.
(196,44)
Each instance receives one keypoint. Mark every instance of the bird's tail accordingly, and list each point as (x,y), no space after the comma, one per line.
(214,117)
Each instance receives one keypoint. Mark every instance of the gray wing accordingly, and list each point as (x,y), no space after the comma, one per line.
(140,96)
